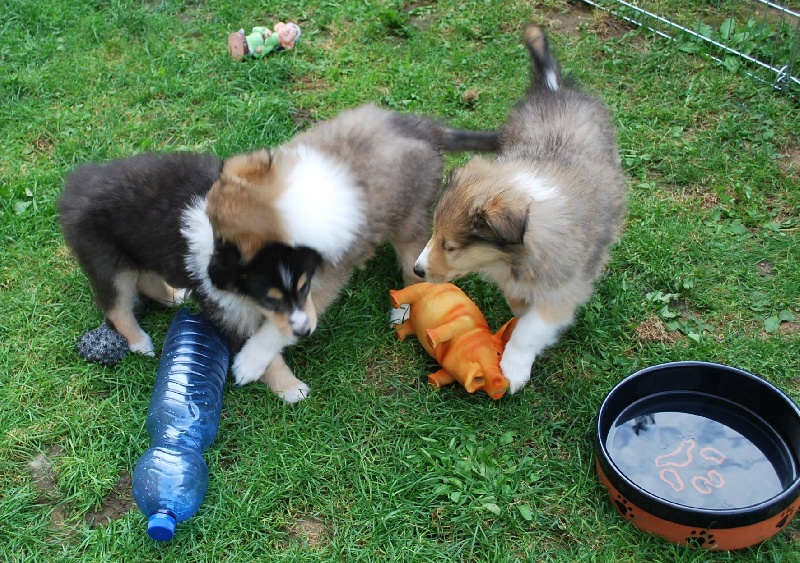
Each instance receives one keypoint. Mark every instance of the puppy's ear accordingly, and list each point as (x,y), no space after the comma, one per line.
(225,267)
(250,168)
(500,221)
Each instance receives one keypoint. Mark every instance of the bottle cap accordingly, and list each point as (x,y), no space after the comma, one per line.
(161,526)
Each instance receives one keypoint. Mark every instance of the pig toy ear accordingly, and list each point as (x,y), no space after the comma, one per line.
(504,334)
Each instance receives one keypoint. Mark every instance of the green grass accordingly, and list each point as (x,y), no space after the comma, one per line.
(376,465)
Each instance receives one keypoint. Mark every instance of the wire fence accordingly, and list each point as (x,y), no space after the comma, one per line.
(759,37)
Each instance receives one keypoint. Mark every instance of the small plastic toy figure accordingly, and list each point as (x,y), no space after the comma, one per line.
(262,41)
(453,330)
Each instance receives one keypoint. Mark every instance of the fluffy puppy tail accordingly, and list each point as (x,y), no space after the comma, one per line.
(457,140)
(544,70)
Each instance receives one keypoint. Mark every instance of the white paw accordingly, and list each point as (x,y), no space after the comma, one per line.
(179,296)
(143,346)
(517,370)
(248,366)
(295,393)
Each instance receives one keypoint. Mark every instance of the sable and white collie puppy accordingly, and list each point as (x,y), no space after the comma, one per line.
(364,178)
(139,225)
(540,218)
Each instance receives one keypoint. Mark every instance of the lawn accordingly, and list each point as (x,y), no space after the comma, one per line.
(376,465)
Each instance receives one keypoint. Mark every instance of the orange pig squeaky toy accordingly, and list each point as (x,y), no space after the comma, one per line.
(453,331)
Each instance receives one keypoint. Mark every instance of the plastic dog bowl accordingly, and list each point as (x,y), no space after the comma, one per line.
(700,454)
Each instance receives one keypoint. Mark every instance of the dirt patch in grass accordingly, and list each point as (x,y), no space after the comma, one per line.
(43,477)
(42,473)
(708,200)
(791,164)
(312,531)
(118,502)
(652,329)
(581,16)
(311,83)
(303,118)
(766,268)
(789,328)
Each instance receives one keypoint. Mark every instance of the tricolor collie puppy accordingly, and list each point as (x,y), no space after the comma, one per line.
(364,178)
(138,225)
(538,220)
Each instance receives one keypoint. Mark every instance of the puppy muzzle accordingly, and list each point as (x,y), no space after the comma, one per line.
(300,323)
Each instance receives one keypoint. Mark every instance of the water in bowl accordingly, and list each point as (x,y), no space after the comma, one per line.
(700,451)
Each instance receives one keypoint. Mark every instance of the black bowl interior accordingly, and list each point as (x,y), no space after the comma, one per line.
(689,439)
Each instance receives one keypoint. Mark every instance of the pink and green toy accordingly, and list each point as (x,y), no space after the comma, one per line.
(262,41)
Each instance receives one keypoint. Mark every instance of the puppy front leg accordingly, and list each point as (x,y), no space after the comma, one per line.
(284,384)
(537,328)
(258,352)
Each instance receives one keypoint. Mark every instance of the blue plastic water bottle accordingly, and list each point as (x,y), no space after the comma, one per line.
(171,478)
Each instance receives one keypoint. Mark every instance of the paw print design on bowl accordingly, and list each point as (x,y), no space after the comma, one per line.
(701,538)
(624,507)
(785,517)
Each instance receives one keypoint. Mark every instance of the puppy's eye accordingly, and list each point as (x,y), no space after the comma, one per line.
(448,246)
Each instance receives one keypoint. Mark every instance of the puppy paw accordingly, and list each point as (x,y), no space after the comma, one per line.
(296,393)
(247,367)
(516,370)
(144,345)
(179,297)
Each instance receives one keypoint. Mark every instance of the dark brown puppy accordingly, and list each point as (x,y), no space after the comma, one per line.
(134,226)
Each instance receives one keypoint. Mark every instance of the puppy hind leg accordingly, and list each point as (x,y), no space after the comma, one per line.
(121,316)
(156,288)
(537,328)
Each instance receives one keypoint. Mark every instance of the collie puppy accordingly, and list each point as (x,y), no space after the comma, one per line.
(138,225)
(367,177)
(540,218)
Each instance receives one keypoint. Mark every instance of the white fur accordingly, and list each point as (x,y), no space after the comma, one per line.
(535,186)
(179,297)
(196,229)
(531,335)
(295,393)
(144,345)
(422,260)
(321,207)
(551,78)
(257,353)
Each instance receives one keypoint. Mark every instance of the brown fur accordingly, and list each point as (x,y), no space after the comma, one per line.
(238,205)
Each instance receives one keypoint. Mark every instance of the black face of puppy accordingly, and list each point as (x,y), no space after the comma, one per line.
(277,279)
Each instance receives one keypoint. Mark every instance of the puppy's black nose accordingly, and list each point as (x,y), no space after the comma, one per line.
(420,271)
(302,331)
